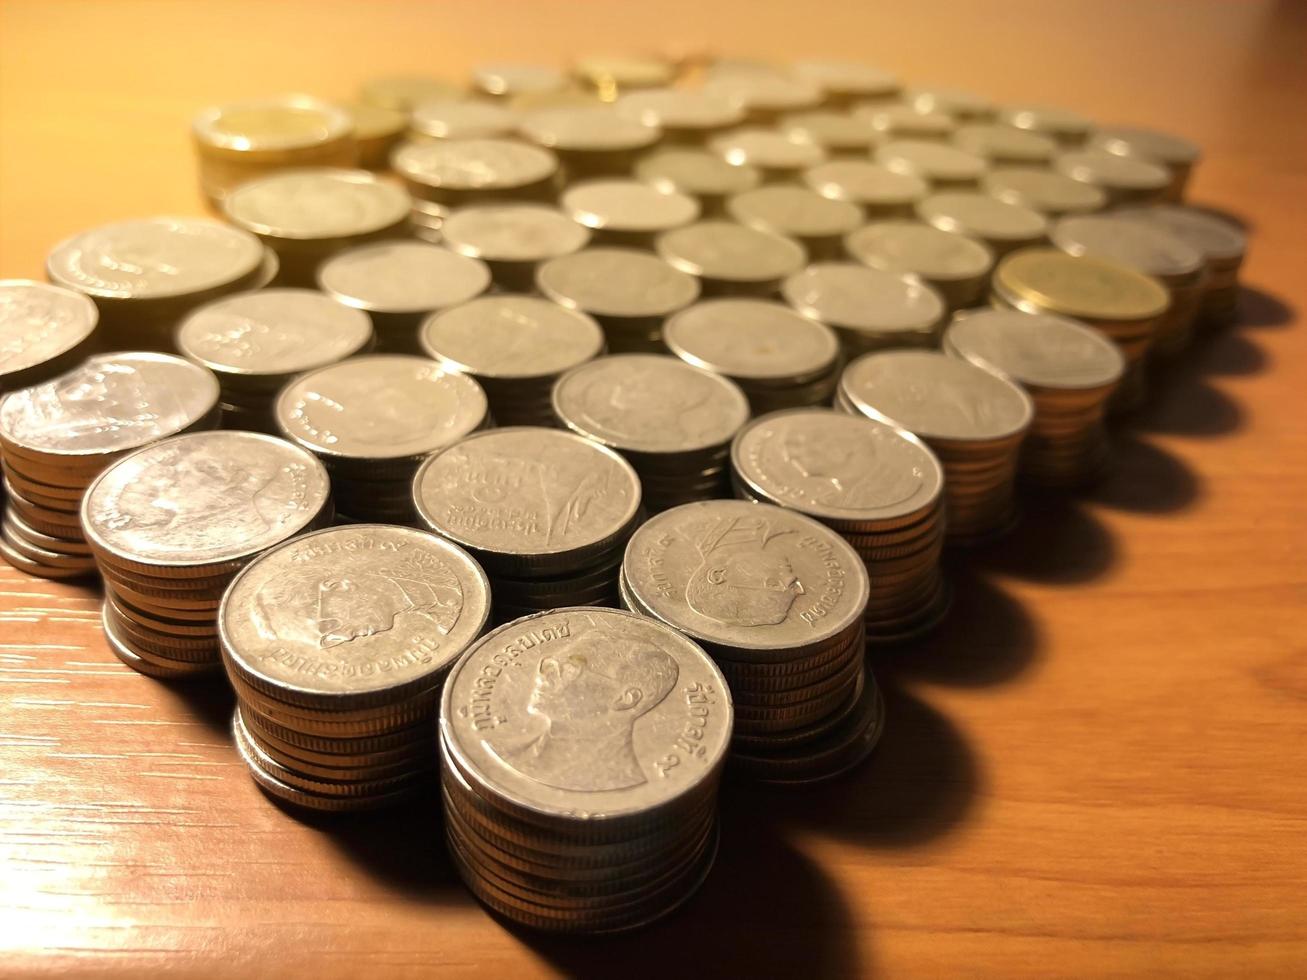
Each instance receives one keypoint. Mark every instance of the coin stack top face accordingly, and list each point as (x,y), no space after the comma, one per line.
(767,149)
(461,120)
(455,171)
(1040,350)
(764,97)
(266,336)
(859,300)
(202,503)
(627,206)
(271,127)
(1151,144)
(1221,241)
(984,217)
(519,495)
(682,113)
(1137,246)
(513,232)
(938,163)
(936,397)
(875,187)
(611,75)
(405,92)
(698,173)
(381,407)
(749,577)
(794,211)
(402,277)
(505,80)
(952,102)
(617,282)
(313,205)
(752,340)
(511,337)
(44,329)
(1049,280)
(1044,191)
(910,247)
(728,253)
(838,468)
(906,122)
(1005,146)
(155,259)
(109,404)
(593,730)
(1068,127)
(650,403)
(352,617)
(588,129)
(1123,178)
(377,130)
(836,132)
(847,80)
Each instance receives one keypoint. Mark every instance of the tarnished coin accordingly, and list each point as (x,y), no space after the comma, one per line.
(264,337)
(111,403)
(1005,146)
(461,120)
(1037,349)
(682,114)
(352,616)
(383,407)
(154,258)
(1041,190)
(587,715)
(838,468)
(511,337)
(751,577)
(878,189)
(402,277)
(724,254)
(202,500)
(317,204)
(513,233)
(650,403)
(43,329)
(863,303)
(518,495)
(617,282)
(699,173)
(753,340)
(404,92)
(768,150)
(456,171)
(936,397)
(617,207)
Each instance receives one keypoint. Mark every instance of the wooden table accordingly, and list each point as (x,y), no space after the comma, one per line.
(1098,767)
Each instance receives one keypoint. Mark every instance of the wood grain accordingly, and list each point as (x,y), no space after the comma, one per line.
(1097,768)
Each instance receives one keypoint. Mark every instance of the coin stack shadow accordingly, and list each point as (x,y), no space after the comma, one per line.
(879,487)
(546,513)
(236,493)
(56,440)
(602,834)
(1068,370)
(777,600)
(332,713)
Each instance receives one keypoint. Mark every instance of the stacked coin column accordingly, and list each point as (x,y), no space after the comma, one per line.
(338,644)
(171,524)
(867,308)
(547,513)
(955,266)
(777,600)
(581,753)
(877,486)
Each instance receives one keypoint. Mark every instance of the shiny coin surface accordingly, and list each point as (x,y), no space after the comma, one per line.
(952,102)
(1123,178)
(402,277)
(42,329)
(752,340)
(627,207)
(461,120)
(588,129)
(877,188)
(766,149)
(906,122)
(1221,241)
(724,252)
(1042,190)
(1135,245)
(1005,145)
(859,300)
(317,204)
(511,337)
(617,282)
(271,127)
(937,163)
(836,132)
(453,170)
(1051,281)
(1064,125)
(1040,350)
(996,222)
(696,172)
(513,232)
(910,247)
(765,96)
(680,112)
(794,211)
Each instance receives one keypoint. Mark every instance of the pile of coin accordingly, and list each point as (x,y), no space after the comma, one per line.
(1067,369)
(974,421)
(1123,304)
(673,422)
(516,347)
(372,420)
(145,275)
(581,753)
(777,600)
(877,486)
(779,358)
(44,331)
(869,309)
(56,438)
(171,524)
(338,643)
(546,513)
(256,342)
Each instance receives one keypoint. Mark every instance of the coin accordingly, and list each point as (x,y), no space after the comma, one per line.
(44,331)
(895,122)
(1000,225)
(881,192)
(839,134)
(1125,179)
(590,140)
(956,266)
(765,97)
(1050,193)
(460,171)
(684,116)
(867,308)
(611,75)
(376,129)
(1004,146)
(703,175)
(626,212)
(961,105)
(843,82)
(815,221)
(942,165)
(776,155)
(1176,153)
(1069,128)
(405,92)
(506,79)
(446,120)
(728,258)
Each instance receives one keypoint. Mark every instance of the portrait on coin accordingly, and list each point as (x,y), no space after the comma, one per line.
(744,577)
(837,468)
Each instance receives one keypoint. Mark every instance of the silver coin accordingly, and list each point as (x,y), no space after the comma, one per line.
(511,337)
(726,252)
(1004,145)
(794,211)
(1221,241)
(982,216)
(767,149)
(1121,176)
(619,205)
(1064,125)
(951,102)
(510,232)
(938,163)
(1037,349)
(910,247)
(1151,144)
(1136,245)
(752,340)
(41,326)
(696,172)
(317,204)
(854,298)
(765,94)
(1043,190)
(588,129)
(617,282)
(680,111)
(402,277)
(482,166)
(875,187)
(906,122)
(445,119)
(836,132)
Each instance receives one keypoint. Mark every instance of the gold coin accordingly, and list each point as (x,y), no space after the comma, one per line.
(1079,286)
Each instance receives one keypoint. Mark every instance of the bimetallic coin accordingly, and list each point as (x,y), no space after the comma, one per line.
(752,340)
(402,277)
(617,282)
(1041,350)
(511,337)
(42,329)
(318,204)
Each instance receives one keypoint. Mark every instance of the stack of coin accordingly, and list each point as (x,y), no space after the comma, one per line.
(777,156)
(400,284)
(879,191)
(816,222)
(581,752)
(145,275)
(378,131)
(765,98)
(705,176)
(171,524)
(372,420)
(463,119)
(404,93)
(730,259)
(247,140)
(779,358)
(1051,194)
(973,419)
(1004,146)
(513,240)
(1067,369)
(1125,180)
(965,107)
(841,135)
(1148,249)
(1123,304)
(1221,242)
(516,347)
(256,342)
(628,292)
(546,513)
(868,309)
(56,437)
(955,266)
(338,644)
(44,331)
(590,141)
(683,115)
(673,422)
(621,211)
(1004,227)
(904,122)
(844,83)
(306,216)
(453,173)
(874,484)
(1177,154)
(945,167)
(1068,127)
(777,600)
